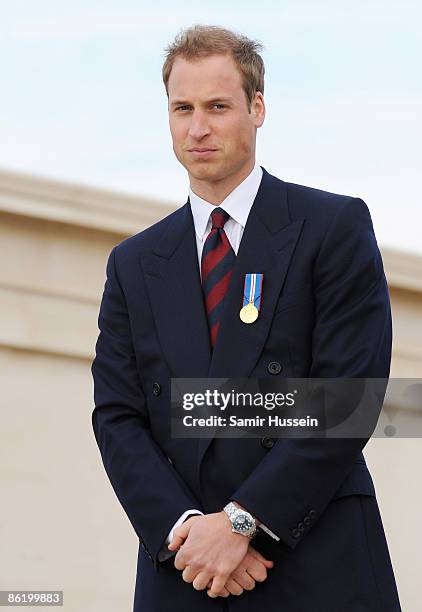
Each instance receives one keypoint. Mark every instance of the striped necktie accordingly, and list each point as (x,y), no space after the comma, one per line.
(217,263)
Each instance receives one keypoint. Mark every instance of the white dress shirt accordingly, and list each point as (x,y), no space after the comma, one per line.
(238,205)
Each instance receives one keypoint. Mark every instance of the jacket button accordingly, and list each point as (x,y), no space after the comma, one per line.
(295,533)
(267,442)
(311,514)
(301,526)
(307,521)
(274,367)
(156,388)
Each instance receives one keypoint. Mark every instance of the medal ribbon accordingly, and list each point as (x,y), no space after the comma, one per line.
(253,289)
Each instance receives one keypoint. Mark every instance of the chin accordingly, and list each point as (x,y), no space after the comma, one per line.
(203,170)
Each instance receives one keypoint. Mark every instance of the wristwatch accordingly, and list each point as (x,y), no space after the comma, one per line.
(242,521)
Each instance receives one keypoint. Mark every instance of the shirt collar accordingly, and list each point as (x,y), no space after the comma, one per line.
(237,204)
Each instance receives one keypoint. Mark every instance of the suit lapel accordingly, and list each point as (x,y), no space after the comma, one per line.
(267,246)
(174,287)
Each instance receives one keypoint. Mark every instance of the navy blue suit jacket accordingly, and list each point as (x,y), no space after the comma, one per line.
(325,313)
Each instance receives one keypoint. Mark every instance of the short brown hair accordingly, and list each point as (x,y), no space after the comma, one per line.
(201,41)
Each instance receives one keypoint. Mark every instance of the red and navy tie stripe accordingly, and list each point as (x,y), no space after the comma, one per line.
(217,264)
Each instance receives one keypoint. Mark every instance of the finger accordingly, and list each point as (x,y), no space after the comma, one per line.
(243,578)
(176,543)
(189,574)
(201,581)
(223,593)
(218,583)
(179,562)
(179,536)
(257,555)
(257,570)
(233,587)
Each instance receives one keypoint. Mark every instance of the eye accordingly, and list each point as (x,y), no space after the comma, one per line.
(219,105)
(182,107)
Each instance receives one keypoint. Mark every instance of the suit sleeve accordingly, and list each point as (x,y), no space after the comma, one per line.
(148,487)
(351,339)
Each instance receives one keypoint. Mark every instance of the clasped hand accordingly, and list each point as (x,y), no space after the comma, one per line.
(211,556)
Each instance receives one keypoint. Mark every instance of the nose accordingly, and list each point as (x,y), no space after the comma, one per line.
(198,127)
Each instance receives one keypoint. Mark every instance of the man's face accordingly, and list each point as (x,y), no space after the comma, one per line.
(212,129)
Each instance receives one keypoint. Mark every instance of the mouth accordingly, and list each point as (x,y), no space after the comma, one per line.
(201,152)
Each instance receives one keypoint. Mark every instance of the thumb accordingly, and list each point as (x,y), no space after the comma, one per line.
(179,535)
(267,562)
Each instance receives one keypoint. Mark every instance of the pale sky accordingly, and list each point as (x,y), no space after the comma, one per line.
(82,97)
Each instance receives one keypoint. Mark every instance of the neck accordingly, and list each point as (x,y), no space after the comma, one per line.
(216,191)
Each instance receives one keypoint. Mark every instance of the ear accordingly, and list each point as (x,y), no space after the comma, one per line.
(258,109)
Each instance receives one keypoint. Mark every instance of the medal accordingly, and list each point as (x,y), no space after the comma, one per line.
(251,297)
(249,313)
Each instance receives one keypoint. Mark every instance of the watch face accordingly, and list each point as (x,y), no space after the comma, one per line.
(242,523)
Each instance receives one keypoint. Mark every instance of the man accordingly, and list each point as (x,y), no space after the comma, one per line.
(171,309)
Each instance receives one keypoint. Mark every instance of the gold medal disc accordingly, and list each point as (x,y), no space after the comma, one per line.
(249,313)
